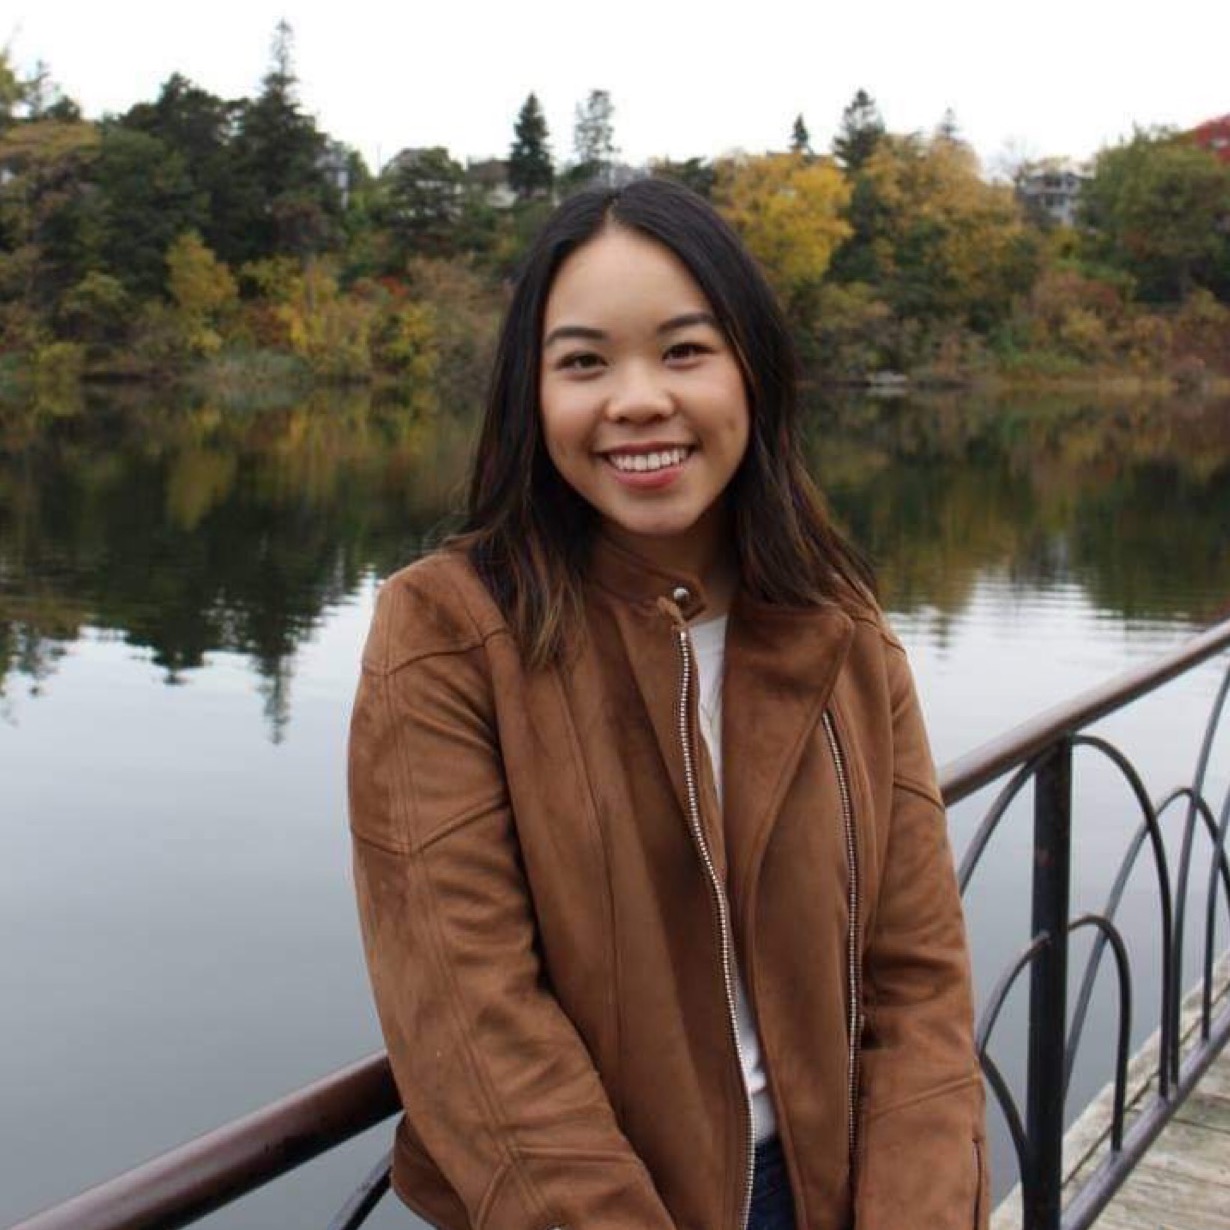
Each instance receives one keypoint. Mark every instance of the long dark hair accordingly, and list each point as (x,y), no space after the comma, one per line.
(528,532)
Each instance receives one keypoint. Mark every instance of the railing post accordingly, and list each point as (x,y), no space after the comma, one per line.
(1048,1010)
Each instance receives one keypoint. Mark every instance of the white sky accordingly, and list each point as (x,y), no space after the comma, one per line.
(1045,77)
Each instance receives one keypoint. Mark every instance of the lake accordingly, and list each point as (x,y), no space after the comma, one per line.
(184,590)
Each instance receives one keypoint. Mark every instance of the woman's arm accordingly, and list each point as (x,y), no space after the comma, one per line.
(922,1138)
(494,1078)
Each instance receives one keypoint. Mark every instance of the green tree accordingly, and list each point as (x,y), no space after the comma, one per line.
(422,202)
(199,128)
(861,131)
(530,171)
(800,138)
(593,139)
(144,198)
(1156,208)
(286,202)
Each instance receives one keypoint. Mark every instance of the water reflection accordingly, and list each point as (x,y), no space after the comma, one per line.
(189,529)
(193,527)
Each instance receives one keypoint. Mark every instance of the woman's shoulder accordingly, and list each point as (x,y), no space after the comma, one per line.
(437,604)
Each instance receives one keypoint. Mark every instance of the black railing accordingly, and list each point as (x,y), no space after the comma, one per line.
(185,1184)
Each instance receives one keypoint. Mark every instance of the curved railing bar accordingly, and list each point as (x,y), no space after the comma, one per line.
(1210,731)
(990,822)
(366,1196)
(999,992)
(1109,933)
(1109,910)
(1210,919)
(1219,846)
(1168,1069)
(1012,1116)
(999,1086)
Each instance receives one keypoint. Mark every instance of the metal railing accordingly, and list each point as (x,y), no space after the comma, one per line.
(193,1180)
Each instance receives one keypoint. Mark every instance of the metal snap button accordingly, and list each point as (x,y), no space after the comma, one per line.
(681,595)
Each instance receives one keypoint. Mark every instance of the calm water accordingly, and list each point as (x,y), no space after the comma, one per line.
(183,594)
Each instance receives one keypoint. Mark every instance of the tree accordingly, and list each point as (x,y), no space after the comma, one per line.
(199,127)
(939,242)
(593,138)
(860,132)
(45,236)
(423,198)
(285,201)
(145,198)
(948,129)
(1156,208)
(789,212)
(202,289)
(12,88)
(800,138)
(530,172)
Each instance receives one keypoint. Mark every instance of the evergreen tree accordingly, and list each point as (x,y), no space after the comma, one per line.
(593,139)
(198,127)
(800,138)
(861,131)
(530,172)
(286,202)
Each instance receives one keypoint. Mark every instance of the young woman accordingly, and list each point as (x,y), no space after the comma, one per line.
(653,873)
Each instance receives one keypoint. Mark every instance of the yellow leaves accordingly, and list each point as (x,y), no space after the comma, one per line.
(951,243)
(202,288)
(789,210)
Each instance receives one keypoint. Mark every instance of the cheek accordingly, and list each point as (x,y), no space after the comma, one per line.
(563,428)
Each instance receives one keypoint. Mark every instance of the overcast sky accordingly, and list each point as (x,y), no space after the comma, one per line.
(1047,77)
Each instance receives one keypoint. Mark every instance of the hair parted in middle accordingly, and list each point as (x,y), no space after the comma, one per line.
(528,533)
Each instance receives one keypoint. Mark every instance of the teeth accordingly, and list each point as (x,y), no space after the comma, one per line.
(646,462)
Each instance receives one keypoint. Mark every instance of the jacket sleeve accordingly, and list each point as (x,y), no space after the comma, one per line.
(922,1149)
(495,1081)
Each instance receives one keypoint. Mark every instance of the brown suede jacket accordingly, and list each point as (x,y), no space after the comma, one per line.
(551,901)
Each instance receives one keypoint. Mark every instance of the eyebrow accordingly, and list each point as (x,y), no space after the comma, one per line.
(586,333)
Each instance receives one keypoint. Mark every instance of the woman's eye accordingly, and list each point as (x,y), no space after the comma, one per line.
(580,361)
(686,350)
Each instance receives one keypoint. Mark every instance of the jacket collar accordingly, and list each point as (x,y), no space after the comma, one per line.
(633,578)
(781,666)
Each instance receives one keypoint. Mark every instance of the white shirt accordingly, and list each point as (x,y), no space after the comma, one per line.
(709,643)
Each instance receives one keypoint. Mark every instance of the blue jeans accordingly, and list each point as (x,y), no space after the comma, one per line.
(772,1203)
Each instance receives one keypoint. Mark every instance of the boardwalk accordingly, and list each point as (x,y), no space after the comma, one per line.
(1183,1182)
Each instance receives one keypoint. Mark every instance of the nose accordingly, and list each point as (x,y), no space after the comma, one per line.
(639,394)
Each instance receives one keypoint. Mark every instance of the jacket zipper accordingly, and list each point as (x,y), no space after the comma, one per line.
(854,987)
(723,911)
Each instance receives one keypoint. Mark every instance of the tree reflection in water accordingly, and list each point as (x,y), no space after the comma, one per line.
(187,528)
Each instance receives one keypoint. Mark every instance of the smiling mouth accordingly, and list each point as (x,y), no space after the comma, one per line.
(648,463)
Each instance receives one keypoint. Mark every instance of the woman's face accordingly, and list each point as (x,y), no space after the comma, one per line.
(643,404)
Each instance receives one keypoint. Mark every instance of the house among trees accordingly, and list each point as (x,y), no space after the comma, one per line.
(1050,190)
(489,176)
(1214,135)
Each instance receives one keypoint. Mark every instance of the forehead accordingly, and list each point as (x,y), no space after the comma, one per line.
(622,276)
